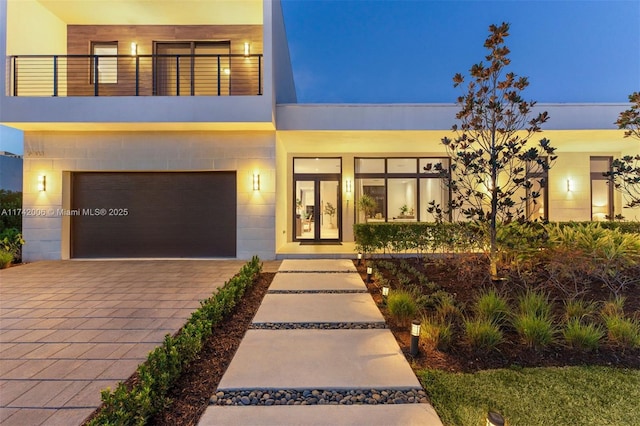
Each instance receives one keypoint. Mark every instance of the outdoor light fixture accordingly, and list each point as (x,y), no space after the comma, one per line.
(348,186)
(42,183)
(369,272)
(359,259)
(247,48)
(227,71)
(415,335)
(256,182)
(134,49)
(569,186)
(494,419)
(385,291)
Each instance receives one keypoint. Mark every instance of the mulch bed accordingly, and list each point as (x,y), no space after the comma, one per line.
(460,358)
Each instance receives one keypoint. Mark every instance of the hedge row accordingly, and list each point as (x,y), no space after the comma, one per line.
(133,405)
(425,237)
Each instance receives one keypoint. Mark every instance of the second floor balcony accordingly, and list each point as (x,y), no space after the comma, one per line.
(137,75)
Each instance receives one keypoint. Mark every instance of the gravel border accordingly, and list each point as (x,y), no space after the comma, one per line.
(319,397)
(317,325)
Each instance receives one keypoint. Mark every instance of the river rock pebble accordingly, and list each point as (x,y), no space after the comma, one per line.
(319,397)
(317,325)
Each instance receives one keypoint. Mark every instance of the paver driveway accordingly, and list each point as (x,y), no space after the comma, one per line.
(71,328)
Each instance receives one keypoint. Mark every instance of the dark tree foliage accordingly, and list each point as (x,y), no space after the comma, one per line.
(10,203)
(625,171)
(490,152)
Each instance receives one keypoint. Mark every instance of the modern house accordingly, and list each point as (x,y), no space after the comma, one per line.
(152,129)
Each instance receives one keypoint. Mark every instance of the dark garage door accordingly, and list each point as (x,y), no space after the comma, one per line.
(149,214)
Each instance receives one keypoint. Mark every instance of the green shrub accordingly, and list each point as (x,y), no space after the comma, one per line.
(535,331)
(613,307)
(579,309)
(582,336)
(520,242)
(402,306)
(535,304)
(534,323)
(438,334)
(492,307)
(5,258)
(11,241)
(149,394)
(482,334)
(611,256)
(624,332)
(419,237)
(10,200)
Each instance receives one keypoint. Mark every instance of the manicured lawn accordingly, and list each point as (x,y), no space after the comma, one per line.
(564,396)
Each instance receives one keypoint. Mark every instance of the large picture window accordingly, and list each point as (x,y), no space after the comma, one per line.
(402,188)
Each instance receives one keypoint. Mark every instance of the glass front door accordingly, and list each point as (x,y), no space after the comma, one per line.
(317,204)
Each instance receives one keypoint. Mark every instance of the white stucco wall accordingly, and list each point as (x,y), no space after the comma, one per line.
(57,154)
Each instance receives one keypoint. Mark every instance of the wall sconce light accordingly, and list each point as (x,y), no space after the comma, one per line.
(369,272)
(247,48)
(415,336)
(42,183)
(256,182)
(227,71)
(494,419)
(348,186)
(569,186)
(134,48)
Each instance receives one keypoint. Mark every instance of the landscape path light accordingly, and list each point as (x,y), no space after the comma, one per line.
(359,259)
(369,272)
(415,336)
(385,293)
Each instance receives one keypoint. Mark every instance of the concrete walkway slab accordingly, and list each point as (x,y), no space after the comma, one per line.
(310,281)
(318,359)
(332,308)
(317,265)
(322,415)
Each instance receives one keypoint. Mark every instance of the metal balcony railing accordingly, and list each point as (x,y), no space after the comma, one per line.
(136,75)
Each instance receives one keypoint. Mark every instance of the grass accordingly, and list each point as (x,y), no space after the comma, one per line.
(437,333)
(580,309)
(402,306)
(492,307)
(582,336)
(534,323)
(537,396)
(5,258)
(622,331)
(482,334)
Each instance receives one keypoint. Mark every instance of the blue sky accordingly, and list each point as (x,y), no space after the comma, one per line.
(407,51)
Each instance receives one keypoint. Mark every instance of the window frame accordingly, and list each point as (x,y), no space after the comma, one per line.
(92,64)
(600,176)
(387,175)
(538,175)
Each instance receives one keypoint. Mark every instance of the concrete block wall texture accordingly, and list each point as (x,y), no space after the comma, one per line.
(57,154)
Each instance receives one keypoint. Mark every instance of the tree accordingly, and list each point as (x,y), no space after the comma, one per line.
(490,151)
(625,171)
(367,205)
